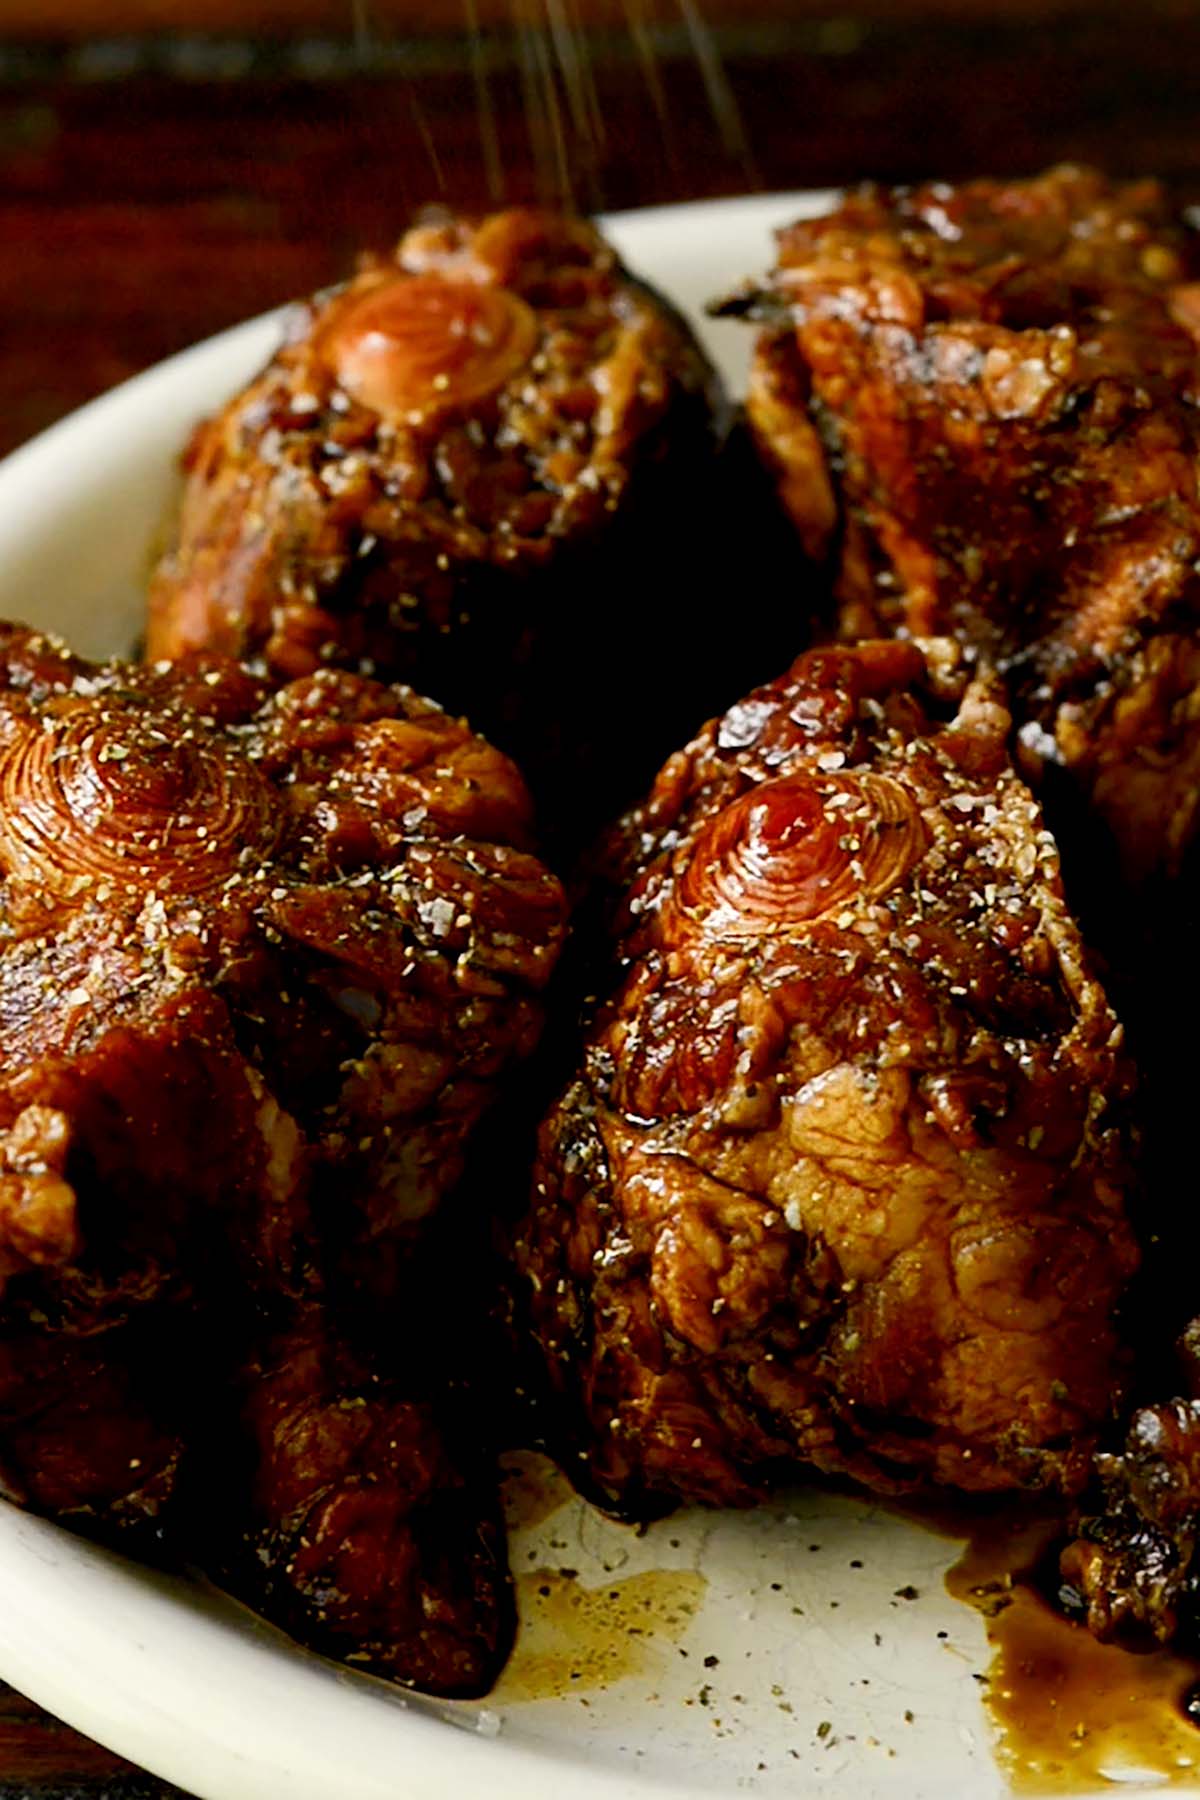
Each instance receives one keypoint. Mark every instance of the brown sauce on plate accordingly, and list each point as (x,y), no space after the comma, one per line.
(1071,1716)
(573,1638)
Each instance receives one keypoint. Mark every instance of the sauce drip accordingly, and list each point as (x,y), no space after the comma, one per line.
(575,1639)
(1072,1716)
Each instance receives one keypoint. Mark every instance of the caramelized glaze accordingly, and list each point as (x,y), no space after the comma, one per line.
(420,345)
(825,1186)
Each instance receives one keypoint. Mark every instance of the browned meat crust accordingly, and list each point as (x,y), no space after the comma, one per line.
(1132,1568)
(367,1518)
(841,1176)
(483,466)
(264,959)
(981,403)
(89,1424)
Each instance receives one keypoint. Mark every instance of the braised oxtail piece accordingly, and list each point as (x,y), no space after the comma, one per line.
(840,1179)
(980,405)
(485,465)
(265,959)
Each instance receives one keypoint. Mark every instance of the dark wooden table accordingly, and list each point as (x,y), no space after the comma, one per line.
(153,191)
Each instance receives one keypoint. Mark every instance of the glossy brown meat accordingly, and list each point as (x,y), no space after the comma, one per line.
(372,1528)
(841,1176)
(482,466)
(265,958)
(1132,1569)
(980,403)
(90,1423)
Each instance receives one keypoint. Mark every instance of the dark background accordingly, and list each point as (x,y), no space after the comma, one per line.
(155,186)
(168,167)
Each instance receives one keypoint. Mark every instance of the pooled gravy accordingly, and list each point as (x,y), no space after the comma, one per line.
(1071,1715)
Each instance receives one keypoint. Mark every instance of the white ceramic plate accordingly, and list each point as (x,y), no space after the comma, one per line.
(716,1654)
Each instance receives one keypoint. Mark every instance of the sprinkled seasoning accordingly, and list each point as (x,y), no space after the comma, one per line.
(290,943)
(822,1016)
